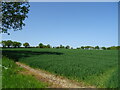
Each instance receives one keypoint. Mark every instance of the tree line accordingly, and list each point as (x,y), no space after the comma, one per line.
(15,44)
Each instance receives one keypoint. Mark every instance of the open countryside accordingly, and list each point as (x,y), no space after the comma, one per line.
(94,67)
(59,45)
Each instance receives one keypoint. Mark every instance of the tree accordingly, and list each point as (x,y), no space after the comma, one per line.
(61,46)
(14,44)
(97,47)
(26,45)
(118,47)
(13,15)
(104,48)
(82,47)
(87,47)
(48,46)
(108,48)
(3,43)
(41,45)
(9,43)
(113,47)
(77,48)
(19,44)
(67,47)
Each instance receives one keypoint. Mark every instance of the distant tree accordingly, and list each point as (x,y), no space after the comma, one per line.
(3,44)
(97,47)
(108,48)
(26,45)
(57,47)
(61,46)
(113,47)
(19,44)
(87,47)
(9,43)
(14,44)
(118,47)
(37,46)
(82,47)
(67,47)
(41,45)
(13,15)
(48,46)
(104,48)
(91,47)
(77,48)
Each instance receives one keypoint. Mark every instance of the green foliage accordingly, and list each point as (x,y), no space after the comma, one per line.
(92,67)
(82,47)
(104,48)
(12,78)
(4,43)
(16,44)
(61,46)
(67,47)
(97,47)
(26,45)
(9,43)
(13,15)
(41,45)
(48,46)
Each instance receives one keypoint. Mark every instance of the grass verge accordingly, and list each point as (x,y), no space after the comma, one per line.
(11,78)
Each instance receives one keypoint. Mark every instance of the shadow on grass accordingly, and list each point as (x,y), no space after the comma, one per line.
(17,54)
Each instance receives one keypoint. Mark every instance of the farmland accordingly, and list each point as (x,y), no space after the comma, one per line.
(92,67)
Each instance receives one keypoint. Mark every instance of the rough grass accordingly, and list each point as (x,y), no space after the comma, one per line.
(11,78)
(93,67)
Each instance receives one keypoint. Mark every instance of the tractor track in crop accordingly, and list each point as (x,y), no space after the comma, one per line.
(54,81)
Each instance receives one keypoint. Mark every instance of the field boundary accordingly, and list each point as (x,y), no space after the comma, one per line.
(53,80)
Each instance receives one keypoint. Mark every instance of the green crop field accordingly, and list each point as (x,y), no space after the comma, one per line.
(93,67)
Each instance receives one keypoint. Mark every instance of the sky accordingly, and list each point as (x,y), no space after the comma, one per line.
(69,23)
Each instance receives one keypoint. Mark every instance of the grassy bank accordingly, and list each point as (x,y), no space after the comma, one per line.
(12,78)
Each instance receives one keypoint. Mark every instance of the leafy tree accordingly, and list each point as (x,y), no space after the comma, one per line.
(82,47)
(57,47)
(108,48)
(19,44)
(97,47)
(104,48)
(113,47)
(41,45)
(13,15)
(87,47)
(26,45)
(9,43)
(14,44)
(77,48)
(61,46)
(118,47)
(67,47)
(48,46)
(4,43)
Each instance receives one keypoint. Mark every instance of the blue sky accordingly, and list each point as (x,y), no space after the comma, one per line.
(69,23)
